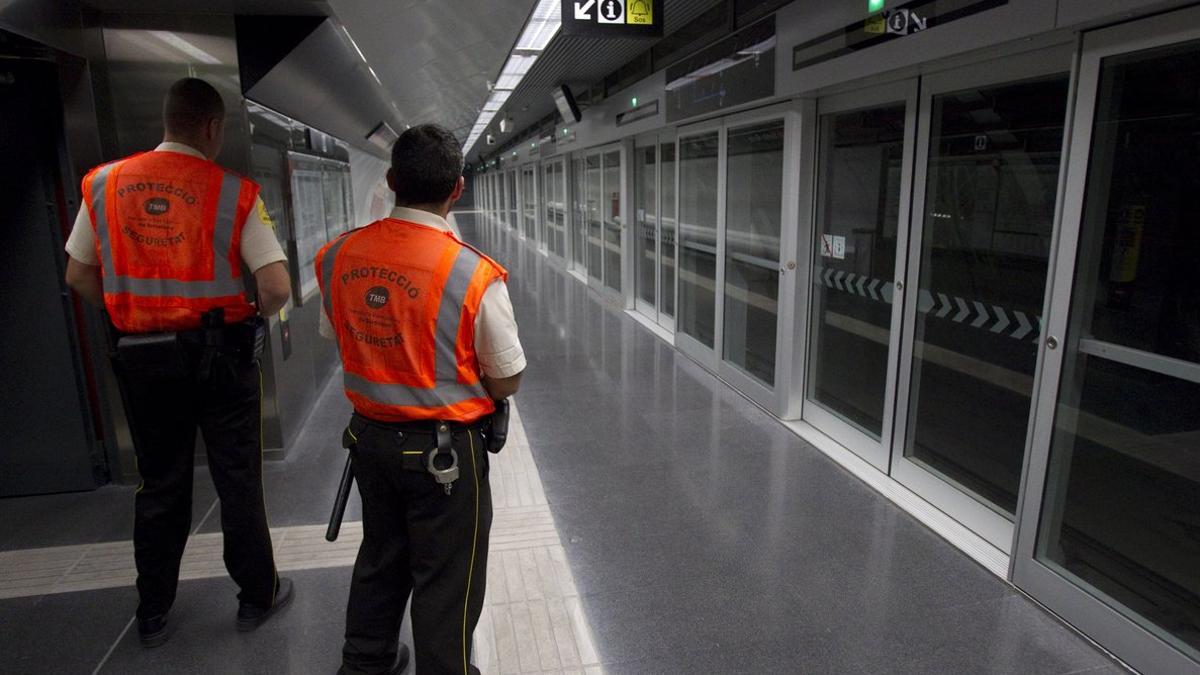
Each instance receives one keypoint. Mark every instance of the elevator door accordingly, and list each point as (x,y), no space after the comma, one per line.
(47,447)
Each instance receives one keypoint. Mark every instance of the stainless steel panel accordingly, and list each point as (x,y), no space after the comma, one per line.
(147,53)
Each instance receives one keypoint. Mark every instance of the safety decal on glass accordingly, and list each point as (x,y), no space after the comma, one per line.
(833,246)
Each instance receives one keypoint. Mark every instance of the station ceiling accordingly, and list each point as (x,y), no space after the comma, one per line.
(436,58)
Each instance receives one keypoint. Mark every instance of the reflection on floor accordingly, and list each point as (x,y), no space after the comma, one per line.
(668,526)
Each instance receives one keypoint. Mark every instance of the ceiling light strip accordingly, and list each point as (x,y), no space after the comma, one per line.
(540,29)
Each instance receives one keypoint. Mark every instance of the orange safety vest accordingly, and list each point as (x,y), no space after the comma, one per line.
(403,298)
(168,234)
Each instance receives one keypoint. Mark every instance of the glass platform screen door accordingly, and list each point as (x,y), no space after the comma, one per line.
(1110,530)
(730,238)
(865,145)
(989,168)
(604,218)
(654,227)
(529,203)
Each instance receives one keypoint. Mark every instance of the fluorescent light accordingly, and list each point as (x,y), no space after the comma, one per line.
(184,46)
(543,24)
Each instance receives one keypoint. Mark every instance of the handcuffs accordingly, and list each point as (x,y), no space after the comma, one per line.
(495,438)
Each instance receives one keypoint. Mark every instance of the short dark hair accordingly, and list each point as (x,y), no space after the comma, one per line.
(190,104)
(427,162)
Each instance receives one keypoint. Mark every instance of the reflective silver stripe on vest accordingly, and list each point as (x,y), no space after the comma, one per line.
(454,296)
(227,201)
(223,283)
(327,264)
(448,390)
(440,396)
(173,288)
(99,204)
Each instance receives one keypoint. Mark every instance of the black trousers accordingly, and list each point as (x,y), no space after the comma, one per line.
(164,415)
(419,540)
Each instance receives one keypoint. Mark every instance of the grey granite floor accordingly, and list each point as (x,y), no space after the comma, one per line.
(702,535)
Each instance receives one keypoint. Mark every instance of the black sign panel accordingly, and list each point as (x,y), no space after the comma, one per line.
(736,70)
(613,18)
(910,18)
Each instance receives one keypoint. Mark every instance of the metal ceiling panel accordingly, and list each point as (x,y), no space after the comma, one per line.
(224,7)
(436,57)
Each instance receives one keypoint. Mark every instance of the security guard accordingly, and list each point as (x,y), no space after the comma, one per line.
(428,343)
(159,243)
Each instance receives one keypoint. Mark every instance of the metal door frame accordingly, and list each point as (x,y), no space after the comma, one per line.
(527,232)
(666,136)
(624,242)
(513,218)
(1108,626)
(977,516)
(576,183)
(690,346)
(771,397)
(876,452)
(641,306)
(596,282)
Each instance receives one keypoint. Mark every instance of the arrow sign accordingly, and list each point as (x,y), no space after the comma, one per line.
(837,280)
(583,10)
(1023,325)
(871,289)
(829,278)
(1003,322)
(963,310)
(983,317)
(888,292)
(861,282)
(925,301)
(946,306)
(850,282)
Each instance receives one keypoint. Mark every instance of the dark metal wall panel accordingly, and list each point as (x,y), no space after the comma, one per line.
(1080,12)
(325,84)
(44,409)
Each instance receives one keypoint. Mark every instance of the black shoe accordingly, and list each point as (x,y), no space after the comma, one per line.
(152,632)
(250,617)
(401,660)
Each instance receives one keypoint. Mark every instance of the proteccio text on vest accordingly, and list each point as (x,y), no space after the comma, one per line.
(383,273)
(173,190)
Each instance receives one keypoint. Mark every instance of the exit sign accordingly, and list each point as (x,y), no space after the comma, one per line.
(875,6)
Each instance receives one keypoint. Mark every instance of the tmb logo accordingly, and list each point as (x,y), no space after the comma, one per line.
(377,296)
(158,206)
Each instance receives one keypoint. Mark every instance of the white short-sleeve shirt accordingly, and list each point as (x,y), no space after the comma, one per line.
(497,345)
(259,247)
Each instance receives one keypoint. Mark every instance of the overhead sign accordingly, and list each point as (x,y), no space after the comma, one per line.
(613,18)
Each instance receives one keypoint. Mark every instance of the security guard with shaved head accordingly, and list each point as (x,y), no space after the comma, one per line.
(429,345)
(160,243)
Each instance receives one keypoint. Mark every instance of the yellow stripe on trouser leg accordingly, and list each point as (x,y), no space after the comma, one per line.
(474,543)
(262,484)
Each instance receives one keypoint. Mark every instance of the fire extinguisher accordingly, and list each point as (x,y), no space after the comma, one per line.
(1126,252)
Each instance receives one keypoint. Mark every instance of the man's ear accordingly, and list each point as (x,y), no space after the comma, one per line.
(214,128)
(391,180)
(458,189)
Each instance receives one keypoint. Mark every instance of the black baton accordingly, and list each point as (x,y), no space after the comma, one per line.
(339,503)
